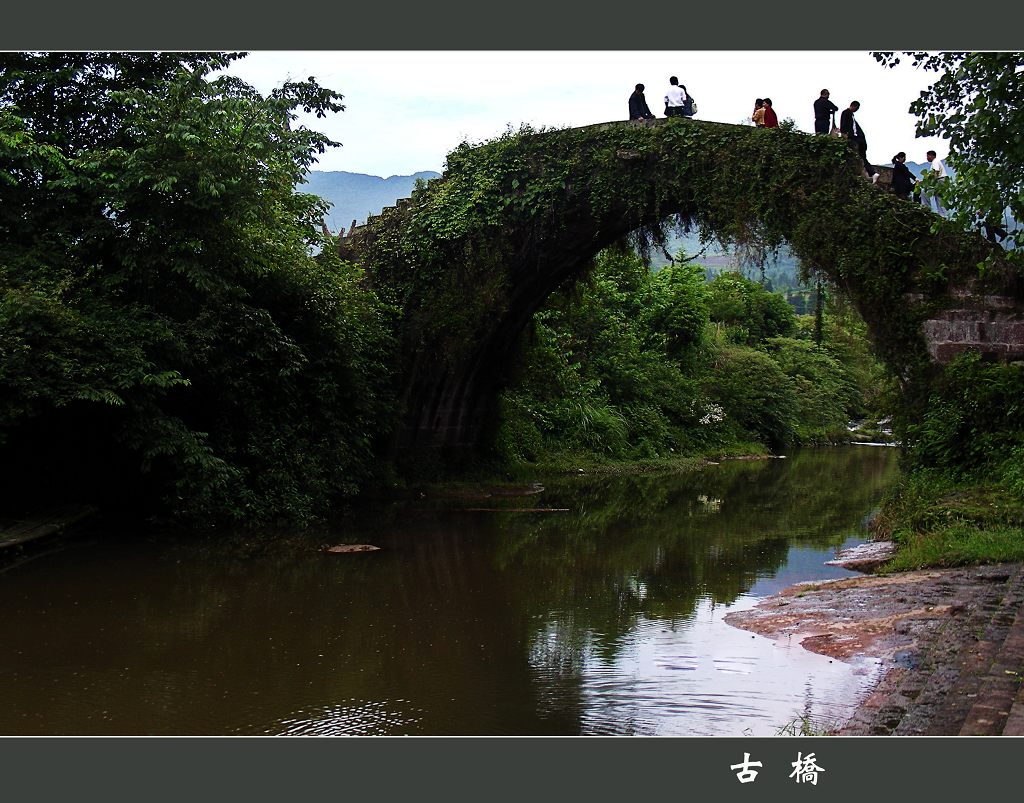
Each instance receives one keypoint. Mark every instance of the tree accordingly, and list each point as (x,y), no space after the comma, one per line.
(977,102)
(164,328)
(751,312)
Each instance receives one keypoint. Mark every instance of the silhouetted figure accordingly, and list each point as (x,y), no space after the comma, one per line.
(854,134)
(902,179)
(993,229)
(824,113)
(638,108)
(689,104)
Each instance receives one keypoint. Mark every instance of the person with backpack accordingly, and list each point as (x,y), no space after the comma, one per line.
(689,104)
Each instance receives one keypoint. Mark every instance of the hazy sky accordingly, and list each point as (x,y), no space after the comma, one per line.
(405,110)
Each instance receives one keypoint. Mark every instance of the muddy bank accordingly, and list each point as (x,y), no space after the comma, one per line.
(936,633)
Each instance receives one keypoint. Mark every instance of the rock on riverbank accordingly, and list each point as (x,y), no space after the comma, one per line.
(951,642)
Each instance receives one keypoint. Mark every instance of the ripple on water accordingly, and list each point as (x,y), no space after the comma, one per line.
(349,718)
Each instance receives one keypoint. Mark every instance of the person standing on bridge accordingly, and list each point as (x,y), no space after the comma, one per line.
(939,169)
(824,113)
(638,108)
(758,115)
(850,128)
(902,178)
(675,98)
(689,104)
(771,119)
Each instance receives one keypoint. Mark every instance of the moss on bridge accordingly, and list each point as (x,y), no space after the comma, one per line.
(476,252)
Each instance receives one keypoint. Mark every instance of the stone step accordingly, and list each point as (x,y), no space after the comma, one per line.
(1000,686)
(960,675)
(965,653)
(1015,721)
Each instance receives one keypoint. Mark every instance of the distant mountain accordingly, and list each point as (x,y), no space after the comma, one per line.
(917,170)
(355,195)
(781,270)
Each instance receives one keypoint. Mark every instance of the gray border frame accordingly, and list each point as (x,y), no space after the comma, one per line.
(505,768)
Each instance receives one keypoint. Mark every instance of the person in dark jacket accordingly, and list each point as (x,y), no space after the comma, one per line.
(902,179)
(824,113)
(854,134)
(689,104)
(771,119)
(638,109)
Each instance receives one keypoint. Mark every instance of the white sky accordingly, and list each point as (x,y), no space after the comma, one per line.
(405,110)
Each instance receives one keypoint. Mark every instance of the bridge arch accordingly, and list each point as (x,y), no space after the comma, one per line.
(472,255)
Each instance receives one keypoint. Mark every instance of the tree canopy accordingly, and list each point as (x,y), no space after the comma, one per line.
(977,102)
(163,321)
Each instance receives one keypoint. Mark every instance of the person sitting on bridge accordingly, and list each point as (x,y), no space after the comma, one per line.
(675,98)
(992,227)
(771,119)
(638,108)
(758,115)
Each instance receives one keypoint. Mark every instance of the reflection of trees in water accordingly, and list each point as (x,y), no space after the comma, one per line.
(463,623)
(654,545)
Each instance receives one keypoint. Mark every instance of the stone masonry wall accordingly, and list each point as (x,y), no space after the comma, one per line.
(990,324)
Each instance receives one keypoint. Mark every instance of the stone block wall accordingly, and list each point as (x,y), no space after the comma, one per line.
(989,324)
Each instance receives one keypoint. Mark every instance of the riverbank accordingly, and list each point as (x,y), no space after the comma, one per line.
(949,643)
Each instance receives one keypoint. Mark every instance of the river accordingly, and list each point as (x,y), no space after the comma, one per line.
(599,614)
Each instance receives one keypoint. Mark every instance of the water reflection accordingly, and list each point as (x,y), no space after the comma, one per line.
(602,619)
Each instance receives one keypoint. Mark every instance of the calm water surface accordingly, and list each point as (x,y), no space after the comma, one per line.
(603,619)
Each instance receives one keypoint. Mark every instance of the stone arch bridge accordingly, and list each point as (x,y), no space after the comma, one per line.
(473,254)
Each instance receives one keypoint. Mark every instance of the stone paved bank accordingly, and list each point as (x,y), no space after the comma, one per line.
(951,643)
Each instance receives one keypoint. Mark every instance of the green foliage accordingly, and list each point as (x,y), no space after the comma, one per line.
(602,369)
(938,520)
(677,310)
(827,396)
(157,290)
(974,421)
(626,366)
(977,102)
(751,313)
(755,393)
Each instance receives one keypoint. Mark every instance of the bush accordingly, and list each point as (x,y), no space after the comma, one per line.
(166,337)
(973,422)
(826,396)
(750,313)
(755,394)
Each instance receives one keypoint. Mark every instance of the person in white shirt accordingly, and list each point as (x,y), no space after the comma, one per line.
(675,98)
(940,172)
